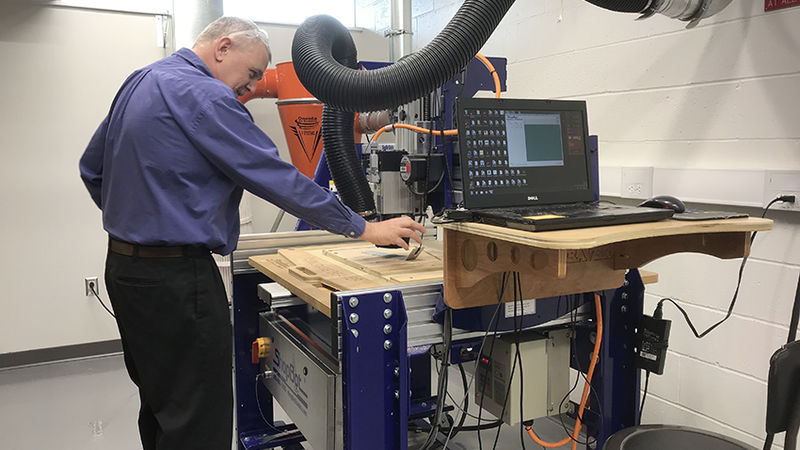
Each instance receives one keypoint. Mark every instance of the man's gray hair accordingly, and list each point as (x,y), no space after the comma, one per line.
(229,26)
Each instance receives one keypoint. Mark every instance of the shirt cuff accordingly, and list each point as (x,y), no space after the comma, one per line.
(357,226)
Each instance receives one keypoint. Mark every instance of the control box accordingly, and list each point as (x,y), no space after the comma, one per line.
(545,369)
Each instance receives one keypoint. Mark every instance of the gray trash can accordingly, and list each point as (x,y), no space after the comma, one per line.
(666,437)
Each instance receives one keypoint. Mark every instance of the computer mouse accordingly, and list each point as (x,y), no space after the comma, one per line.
(665,202)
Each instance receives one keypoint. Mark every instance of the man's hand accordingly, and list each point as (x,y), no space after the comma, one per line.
(393,231)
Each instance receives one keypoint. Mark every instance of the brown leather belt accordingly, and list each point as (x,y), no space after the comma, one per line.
(148,251)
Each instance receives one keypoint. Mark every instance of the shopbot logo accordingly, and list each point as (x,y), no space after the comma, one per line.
(307,131)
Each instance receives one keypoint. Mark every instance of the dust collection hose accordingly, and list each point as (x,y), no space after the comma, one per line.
(321,40)
(343,163)
(337,136)
(325,57)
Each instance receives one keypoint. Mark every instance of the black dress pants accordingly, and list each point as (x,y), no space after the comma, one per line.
(172,314)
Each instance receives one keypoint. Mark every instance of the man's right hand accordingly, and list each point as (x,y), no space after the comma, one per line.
(393,231)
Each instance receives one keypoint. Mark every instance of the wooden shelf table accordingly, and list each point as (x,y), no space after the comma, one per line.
(579,260)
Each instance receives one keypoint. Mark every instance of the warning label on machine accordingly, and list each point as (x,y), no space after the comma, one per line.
(523,308)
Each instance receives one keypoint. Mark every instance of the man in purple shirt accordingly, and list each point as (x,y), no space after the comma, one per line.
(167,167)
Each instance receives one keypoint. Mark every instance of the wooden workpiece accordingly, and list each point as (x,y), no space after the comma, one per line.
(312,273)
(562,262)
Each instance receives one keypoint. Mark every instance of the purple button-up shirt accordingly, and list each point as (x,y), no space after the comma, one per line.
(168,164)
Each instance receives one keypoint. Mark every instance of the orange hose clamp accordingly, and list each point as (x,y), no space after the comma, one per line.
(261,347)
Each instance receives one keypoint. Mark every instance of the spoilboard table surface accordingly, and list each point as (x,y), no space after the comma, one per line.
(313,272)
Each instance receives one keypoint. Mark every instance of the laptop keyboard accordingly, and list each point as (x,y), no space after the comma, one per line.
(570,215)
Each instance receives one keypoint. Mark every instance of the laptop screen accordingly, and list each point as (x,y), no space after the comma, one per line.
(516,152)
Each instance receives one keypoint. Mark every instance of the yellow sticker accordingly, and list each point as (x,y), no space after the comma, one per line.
(543,216)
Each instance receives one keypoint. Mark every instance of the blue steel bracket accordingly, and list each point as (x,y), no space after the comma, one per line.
(375,370)
(618,383)
(615,384)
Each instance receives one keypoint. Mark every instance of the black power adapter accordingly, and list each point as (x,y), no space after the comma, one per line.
(653,341)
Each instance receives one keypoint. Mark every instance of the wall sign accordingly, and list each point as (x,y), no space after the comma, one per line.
(771,5)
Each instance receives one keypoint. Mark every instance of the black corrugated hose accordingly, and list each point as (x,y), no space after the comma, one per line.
(324,57)
(337,135)
(317,42)
(346,170)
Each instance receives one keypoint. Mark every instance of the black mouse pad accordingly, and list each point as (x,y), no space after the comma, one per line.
(696,214)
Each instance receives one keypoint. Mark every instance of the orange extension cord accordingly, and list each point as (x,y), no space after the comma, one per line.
(586,387)
(413,128)
(492,72)
(496,78)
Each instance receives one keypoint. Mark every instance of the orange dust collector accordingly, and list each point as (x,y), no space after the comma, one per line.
(300,113)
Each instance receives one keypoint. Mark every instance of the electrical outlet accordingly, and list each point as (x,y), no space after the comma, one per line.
(90,283)
(634,189)
(637,182)
(782,182)
(786,206)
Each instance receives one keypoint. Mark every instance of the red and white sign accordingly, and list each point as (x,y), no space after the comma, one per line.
(771,5)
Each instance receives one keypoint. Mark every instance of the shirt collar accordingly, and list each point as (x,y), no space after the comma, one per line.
(192,58)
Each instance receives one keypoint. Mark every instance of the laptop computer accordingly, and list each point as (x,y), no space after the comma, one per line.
(525,164)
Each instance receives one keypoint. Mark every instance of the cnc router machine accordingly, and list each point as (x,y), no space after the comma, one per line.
(354,371)
(351,363)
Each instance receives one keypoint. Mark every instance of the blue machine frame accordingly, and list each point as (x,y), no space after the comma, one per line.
(375,375)
(380,395)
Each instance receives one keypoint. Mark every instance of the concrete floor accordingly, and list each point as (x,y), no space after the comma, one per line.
(90,404)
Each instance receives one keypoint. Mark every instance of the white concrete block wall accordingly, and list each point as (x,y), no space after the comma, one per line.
(725,95)
(64,67)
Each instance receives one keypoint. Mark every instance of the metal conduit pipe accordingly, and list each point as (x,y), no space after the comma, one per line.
(373,121)
(691,11)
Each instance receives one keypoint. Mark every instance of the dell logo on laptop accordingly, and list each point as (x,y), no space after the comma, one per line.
(533,197)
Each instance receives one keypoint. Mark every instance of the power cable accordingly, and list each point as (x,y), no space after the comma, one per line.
(452,433)
(518,330)
(491,350)
(494,318)
(587,386)
(258,404)
(92,287)
(658,312)
(572,305)
(513,370)
(442,384)
(644,396)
